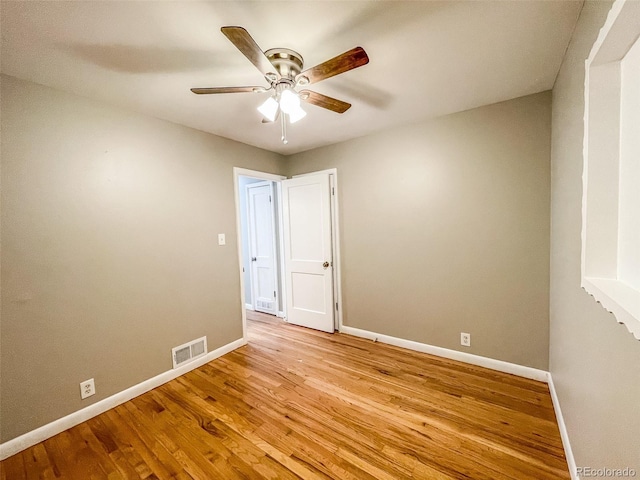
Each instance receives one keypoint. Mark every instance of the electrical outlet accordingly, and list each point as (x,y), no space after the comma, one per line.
(465,339)
(87,388)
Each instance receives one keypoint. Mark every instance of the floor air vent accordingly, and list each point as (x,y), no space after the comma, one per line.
(189,351)
(265,304)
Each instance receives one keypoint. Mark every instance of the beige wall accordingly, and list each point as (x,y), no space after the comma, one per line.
(445,228)
(595,362)
(109,248)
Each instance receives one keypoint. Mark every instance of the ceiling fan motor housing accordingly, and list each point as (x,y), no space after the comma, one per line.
(287,63)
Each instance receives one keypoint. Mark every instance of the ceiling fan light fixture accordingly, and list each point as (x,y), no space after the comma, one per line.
(269,109)
(289,101)
(296,114)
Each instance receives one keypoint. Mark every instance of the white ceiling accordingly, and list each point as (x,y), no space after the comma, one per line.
(426,58)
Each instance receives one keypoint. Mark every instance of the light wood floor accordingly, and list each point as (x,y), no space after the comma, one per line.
(297,403)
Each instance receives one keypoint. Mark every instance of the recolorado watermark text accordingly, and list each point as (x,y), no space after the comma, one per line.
(604,472)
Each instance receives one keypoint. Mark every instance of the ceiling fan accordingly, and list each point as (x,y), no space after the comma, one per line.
(283,69)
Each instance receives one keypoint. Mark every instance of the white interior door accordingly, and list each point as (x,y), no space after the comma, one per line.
(306,212)
(262,246)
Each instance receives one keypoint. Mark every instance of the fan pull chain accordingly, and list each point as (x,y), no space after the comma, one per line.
(283,123)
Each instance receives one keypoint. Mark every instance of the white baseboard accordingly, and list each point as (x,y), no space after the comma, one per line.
(564,434)
(40,434)
(280,315)
(248,306)
(499,365)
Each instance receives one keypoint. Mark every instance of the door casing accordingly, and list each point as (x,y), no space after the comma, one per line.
(335,219)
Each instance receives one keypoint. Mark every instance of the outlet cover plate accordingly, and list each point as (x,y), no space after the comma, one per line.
(87,388)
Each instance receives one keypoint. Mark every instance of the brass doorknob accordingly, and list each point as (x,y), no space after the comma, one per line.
(325,264)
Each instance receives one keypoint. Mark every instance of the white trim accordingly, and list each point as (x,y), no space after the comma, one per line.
(282,299)
(248,306)
(244,172)
(564,434)
(40,434)
(493,364)
(329,171)
(335,219)
(617,298)
(238,172)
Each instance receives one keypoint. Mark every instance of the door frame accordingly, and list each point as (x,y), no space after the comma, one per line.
(243,172)
(335,238)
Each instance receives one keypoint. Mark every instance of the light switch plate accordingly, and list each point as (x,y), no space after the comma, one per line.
(221,239)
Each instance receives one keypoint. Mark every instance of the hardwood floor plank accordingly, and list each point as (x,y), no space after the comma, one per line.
(286,414)
(144,438)
(128,449)
(13,468)
(112,448)
(36,463)
(297,403)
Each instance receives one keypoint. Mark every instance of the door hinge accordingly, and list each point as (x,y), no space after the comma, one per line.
(274,294)
(269,198)
(333,190)
(336,306)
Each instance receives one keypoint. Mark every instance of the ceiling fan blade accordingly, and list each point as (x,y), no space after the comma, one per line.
(247,45)
(210,90)
(320,100)
(354,58)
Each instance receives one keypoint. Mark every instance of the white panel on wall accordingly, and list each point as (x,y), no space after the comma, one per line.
(629,208)
(611,178)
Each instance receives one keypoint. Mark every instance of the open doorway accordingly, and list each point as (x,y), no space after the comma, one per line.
(260,245)
(258,228)
(298,219)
